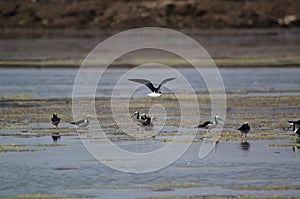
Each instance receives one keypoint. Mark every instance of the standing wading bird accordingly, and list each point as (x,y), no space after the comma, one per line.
(55,120)
(210,124)
(155,91)
(143,120)
(244,129)
(294,124)
(82,123)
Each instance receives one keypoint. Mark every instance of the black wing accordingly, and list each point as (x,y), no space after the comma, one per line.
(165,81)
(54,118)
(145,82)
(244,127)
(294,122)
(78,122)
(204,124)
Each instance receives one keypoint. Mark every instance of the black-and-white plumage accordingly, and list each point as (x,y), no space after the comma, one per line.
(244,129)
(155,90)
(55,120)
(211,124)
(82,123)
(143,120)
(297,131)
(204,125)
(294,124)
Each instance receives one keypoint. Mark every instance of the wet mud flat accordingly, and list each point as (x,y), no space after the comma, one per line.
(265,165)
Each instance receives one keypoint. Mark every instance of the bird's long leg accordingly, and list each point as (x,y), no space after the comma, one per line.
(152,100)
(245,137)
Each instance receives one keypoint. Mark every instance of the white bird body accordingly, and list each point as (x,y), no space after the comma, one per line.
(82,123)
(210,124)
(297,131)
(143,120)
(155,90)
(153,94)
(294,124)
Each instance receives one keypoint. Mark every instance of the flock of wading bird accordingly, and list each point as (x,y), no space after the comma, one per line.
(145,120)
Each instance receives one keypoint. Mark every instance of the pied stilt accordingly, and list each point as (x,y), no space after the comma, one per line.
(82,123)
(244,129)
(55,120)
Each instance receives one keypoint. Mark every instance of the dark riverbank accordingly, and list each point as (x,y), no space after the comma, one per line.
(126,14)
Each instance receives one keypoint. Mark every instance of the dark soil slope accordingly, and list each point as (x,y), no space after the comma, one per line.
(122,14)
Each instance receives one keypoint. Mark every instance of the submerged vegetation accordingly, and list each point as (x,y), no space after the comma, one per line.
(175,62)
(267,116)
(42,195)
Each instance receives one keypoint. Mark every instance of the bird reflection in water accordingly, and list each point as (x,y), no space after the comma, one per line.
(297,147)
(55,137)
(245,145)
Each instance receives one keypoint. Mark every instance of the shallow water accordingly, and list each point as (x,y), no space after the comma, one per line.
(70,169)
(57,83)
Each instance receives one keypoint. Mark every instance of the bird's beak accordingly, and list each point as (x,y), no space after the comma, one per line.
(132,115)
(221,120)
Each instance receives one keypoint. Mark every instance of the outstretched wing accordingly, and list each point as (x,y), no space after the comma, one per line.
(165,81)
(145,82)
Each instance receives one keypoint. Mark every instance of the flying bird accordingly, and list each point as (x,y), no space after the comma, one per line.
(82,123)
(55,120)
(155,90)
(244,129)
(143,120)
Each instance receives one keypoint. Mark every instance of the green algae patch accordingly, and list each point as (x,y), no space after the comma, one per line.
(153,186)
(265,187)
(106,159)
(181,140)
(50,145)
(37,195)
(15,145)
(283,145)
(175,62)
(13,148)
(199,197)
(297,153)
(257,61)
(42,63)
(224,196)
(19,150)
